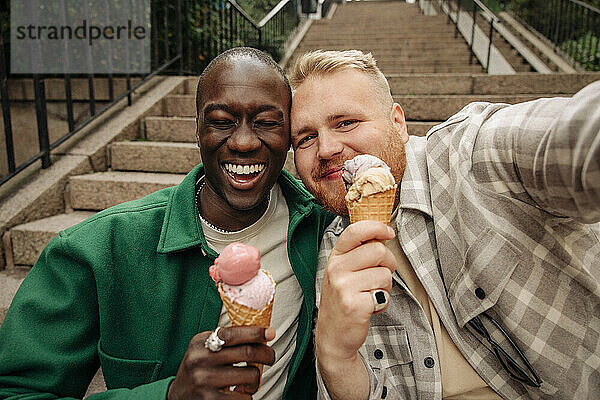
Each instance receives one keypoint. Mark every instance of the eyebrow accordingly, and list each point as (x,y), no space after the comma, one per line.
(331,118)
(218,106)
(267,107)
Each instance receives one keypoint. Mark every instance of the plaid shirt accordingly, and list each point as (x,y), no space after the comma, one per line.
(504,199)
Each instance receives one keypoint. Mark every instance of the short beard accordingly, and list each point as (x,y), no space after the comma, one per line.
(332,200)
(392,153)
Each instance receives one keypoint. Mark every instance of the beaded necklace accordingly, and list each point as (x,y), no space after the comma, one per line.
(198,190)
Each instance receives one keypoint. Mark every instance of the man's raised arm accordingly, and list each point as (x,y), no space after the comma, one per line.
(354,269)
(555,150)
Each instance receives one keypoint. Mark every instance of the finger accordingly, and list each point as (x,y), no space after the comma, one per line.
(365,280)
(259,353)
(365,256)
(236,335)
(360,232)
(375,278)
(226,376)
(252,387)
(251,353)
(234,394)
(380,300)
(357,307)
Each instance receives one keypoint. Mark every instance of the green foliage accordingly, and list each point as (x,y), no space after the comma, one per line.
(565,24)
(257,9)
(582,51)
(212,26)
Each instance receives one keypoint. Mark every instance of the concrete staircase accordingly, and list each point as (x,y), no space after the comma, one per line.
(426,66)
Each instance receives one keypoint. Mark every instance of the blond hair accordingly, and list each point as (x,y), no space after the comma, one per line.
(322,63)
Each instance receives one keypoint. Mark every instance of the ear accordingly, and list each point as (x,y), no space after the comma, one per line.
(398,121)
(197,131)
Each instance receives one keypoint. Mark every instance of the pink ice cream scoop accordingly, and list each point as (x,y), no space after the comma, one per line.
(238,270)
(237,264)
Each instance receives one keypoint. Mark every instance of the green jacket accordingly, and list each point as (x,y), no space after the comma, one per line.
(127,289)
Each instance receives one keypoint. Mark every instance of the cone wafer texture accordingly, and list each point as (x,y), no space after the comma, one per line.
(376,207)
(240,315)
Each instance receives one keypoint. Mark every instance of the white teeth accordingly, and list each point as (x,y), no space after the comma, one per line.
(244,169)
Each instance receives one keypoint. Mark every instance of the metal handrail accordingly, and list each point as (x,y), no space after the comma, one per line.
(586,5)
(243,13)
(476,4)
(487,11)
(272,13)
(215,26)
(571,27)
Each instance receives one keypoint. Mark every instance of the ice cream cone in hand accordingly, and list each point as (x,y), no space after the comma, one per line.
(247,290)
(371,189)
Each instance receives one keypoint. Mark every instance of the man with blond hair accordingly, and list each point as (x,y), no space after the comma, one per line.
(492,259)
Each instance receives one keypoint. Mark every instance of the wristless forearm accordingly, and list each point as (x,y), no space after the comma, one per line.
(345,379)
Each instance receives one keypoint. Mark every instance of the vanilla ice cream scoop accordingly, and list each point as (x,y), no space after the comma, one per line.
(366,175)
(359,164)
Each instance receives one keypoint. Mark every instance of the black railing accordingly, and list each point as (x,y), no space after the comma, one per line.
(572,27)
(325,7)
(206,27)
(473,8)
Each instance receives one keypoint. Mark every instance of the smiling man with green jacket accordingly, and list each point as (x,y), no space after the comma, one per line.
(129,289)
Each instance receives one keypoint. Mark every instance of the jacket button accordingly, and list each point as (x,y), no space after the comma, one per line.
(384,392)
(429,362)
(480,293)
(378,354)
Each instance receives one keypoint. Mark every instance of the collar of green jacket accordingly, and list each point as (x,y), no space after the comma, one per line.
(182,229)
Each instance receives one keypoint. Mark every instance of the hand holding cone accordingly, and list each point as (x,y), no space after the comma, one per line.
(246,290)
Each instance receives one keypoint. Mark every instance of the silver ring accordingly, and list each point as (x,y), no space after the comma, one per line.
(213,342)
(380,299)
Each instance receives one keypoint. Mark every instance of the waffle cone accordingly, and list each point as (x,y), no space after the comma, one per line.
(376,207)
(240,315)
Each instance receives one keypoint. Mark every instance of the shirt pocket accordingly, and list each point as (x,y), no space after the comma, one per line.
(127,373)
(489,263)
(388,354)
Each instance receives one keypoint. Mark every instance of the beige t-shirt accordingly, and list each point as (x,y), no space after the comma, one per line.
(269,235)
(459,379)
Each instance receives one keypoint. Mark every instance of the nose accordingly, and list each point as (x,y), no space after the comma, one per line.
(243,140)
(328,146)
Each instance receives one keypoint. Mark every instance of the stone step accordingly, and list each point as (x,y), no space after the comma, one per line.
(483,87)
(390,35)
(9,284)
(29,239)
(179,128)
(377,43)
(418,107)
(440,108)
(420,128)
(460,57)
(476,84)
(23,90)
(175,158)
(167,127)
(430,69)
(105,189)
(176,106)
(460,60)
(526,83)
(393,51)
